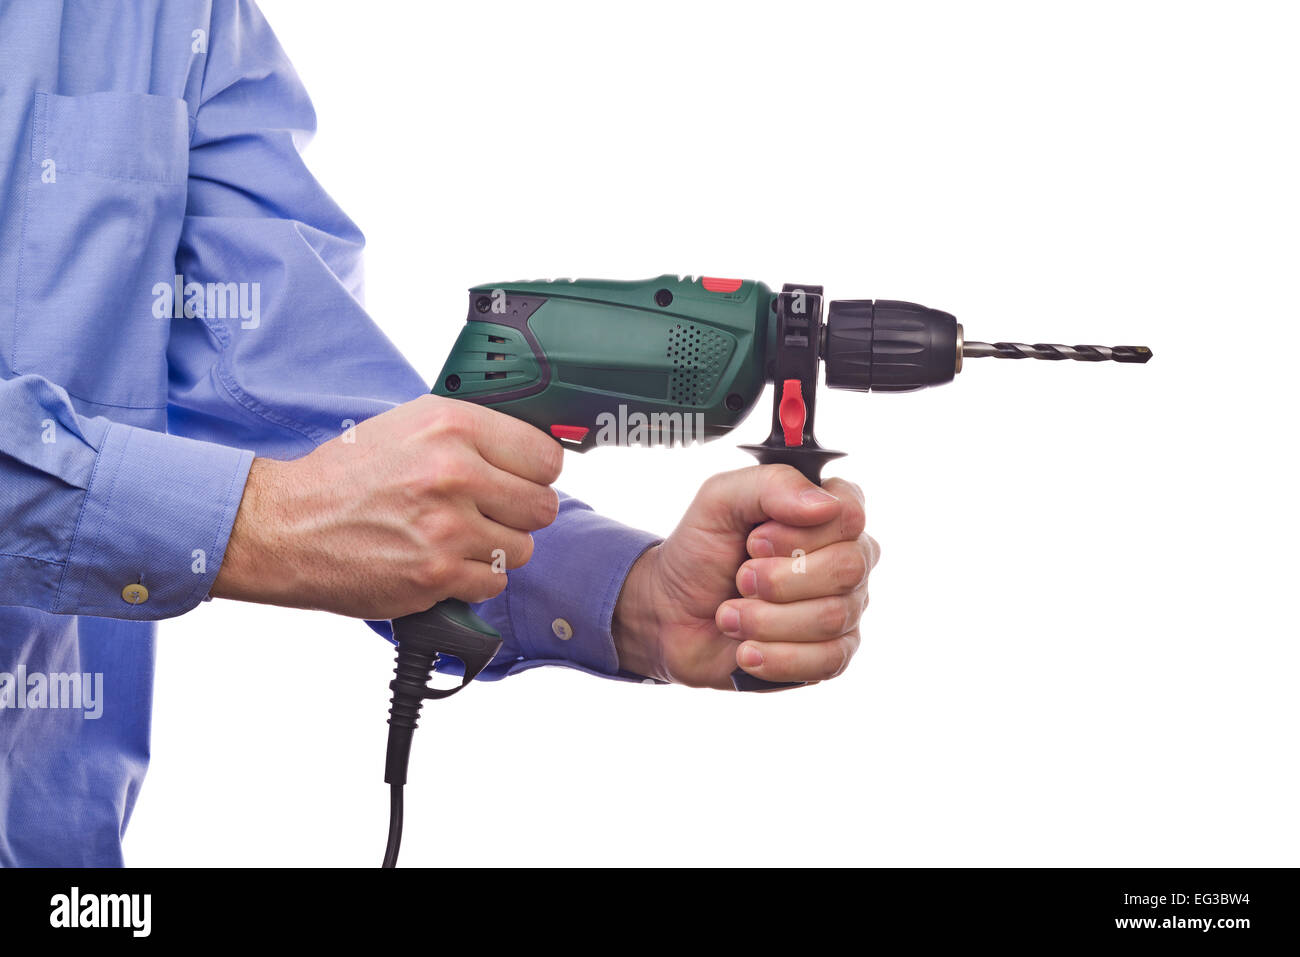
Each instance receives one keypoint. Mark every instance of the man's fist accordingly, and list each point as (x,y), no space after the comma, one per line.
(430,500)
(765,571)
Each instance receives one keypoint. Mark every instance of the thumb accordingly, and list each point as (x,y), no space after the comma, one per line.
(737,501)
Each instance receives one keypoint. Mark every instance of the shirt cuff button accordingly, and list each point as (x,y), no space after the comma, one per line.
(562,629)
(135,594)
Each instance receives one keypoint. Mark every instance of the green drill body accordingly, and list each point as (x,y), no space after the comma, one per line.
(585,353)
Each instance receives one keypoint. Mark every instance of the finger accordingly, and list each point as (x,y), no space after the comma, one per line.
(836,569)
(798,661)
(813,619)
(515,446)
(515,502)
(736,501)
(477,581)
(492,543)
(779,538)
(776,538)
(873,558)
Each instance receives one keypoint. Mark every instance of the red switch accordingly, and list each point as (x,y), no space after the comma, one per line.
(575,433)
(720,285)
(793,413)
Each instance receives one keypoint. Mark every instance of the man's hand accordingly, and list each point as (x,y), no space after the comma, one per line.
(401,512)
(782,599)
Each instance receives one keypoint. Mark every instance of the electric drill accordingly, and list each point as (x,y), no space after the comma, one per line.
(670,361)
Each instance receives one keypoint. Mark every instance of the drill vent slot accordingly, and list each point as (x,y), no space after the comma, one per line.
(699,356)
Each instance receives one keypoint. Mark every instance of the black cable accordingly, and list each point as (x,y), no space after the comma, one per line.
(414,666)
(394,827)
(450,627)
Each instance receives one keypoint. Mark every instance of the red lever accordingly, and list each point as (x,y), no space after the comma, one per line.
(792,412)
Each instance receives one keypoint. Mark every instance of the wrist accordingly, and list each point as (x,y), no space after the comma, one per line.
(636,621)
(256,559)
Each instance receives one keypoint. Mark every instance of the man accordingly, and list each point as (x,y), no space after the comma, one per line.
(186,364)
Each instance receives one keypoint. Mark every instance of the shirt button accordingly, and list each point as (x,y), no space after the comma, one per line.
(563,630)
(135,594)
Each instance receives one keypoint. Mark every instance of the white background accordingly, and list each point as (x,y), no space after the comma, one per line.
(1081,647)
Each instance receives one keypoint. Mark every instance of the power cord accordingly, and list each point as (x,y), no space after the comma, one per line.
(450,628)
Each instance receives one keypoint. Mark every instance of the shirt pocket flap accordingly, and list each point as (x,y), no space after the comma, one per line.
(130,136)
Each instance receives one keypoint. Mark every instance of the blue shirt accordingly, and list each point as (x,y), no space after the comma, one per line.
(145,150)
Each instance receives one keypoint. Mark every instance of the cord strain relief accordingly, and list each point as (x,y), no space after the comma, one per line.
(409,684)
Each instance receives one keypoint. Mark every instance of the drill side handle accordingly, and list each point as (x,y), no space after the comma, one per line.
(809,462)
(794,365)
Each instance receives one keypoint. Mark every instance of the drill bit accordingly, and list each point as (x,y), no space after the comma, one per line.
(1054,351)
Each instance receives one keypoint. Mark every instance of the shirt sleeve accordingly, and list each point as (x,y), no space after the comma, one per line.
(559,608)
(283,356)
(106,519)
(304,361)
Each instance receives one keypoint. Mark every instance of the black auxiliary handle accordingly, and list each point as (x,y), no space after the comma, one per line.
(793,369)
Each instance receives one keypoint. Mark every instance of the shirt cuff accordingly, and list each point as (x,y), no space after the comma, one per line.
(559,608)
(156,515)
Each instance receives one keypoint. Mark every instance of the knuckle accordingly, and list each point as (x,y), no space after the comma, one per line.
(784,474)
(833,617)
(433,573)
(784,480)
(850,568)
(457,473)
(853,518)
(873,550)
(523,552)
(551,460)
(542,452)
(434,529)
(792,579)
(839,654)
(838,487)
(417,484)
(455,418)
(428,409)
(548,507)
(847,492)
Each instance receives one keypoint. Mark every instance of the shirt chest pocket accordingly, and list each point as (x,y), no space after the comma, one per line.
(104,207)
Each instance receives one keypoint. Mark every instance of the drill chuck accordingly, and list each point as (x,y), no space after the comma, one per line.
(889,346)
